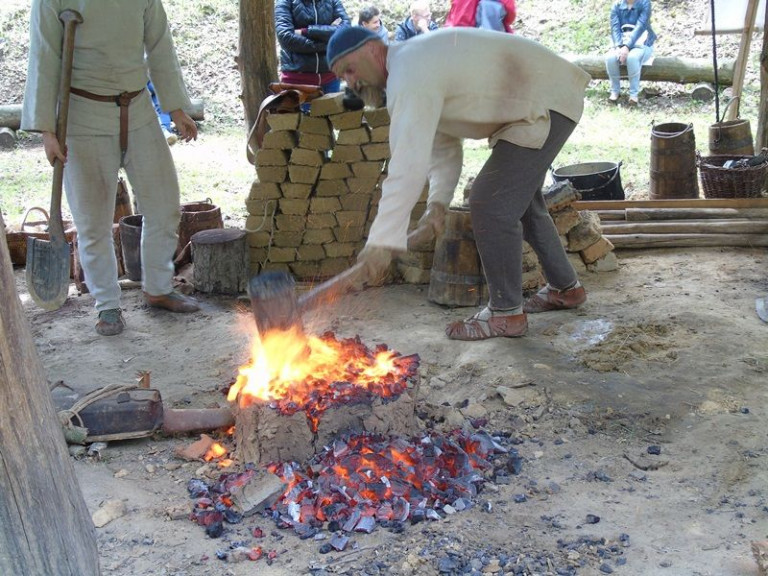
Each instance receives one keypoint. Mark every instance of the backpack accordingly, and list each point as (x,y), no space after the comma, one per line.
(490,15)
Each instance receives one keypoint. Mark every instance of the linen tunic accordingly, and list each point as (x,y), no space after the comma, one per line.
(460,83)
(117,44)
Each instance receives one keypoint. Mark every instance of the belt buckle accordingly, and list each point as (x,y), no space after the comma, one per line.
(122,99)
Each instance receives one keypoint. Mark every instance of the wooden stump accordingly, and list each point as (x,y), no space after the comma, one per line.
(46,527)
(7,138)
(221,261)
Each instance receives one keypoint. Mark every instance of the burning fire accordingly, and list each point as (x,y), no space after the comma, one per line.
(310,373)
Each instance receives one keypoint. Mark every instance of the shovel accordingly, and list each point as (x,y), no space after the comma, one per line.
(48,261)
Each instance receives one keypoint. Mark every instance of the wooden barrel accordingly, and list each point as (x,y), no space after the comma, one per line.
(457,277)
(673,162)
(196,217)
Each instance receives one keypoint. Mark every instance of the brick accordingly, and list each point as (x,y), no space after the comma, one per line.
(367,169)
(260,207)
(315,141)
(257,255)
(258,223)
(348,234)
(293,206)
(316,221)
(319,236)
(310,125)
(310,252)
(532,280)
(608,263)
(296,190)
(287,239)
(305,270)
(585,233)
(596,251)
(331,188)
(559,195)
(327,104)
(342,249)
(376,117)
(274,174)
(259,239)
(302,157)
(283,140)
(284,121)
(289,222)
(282,254)
(376,151)
(351,218)
(354,136)
(335,171)
(264,191)
(271,157)
(344,153)
(355,202)
(332,266)
(327,204)
(565,219)
(361,185)
(380,134)
(272,266)
(347,120)
(303,174)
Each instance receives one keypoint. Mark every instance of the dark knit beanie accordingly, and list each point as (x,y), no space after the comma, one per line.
(346,40)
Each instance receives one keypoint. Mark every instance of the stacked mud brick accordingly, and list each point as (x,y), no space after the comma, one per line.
(580,232)
(317,189)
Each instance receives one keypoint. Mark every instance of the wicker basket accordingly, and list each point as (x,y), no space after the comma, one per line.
(16,237)
(719,182)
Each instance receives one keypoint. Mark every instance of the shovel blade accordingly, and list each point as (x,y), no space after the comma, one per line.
(48,272)
(761,305)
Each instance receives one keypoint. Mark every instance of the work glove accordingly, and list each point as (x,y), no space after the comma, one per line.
(431,225)
(375,262)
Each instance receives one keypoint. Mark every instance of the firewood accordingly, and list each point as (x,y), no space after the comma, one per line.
(733,226)
(686,240)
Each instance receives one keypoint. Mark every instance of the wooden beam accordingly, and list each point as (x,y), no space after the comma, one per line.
(686,240)
(729,226)
(656,214)
(672,203)
(741,60)
(665,69)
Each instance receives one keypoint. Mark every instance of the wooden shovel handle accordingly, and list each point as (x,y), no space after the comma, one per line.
(70,19)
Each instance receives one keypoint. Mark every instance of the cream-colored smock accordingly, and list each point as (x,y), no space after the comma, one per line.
(460,83)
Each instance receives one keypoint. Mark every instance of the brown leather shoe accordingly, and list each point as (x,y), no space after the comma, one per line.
(548,299)
(481,327)
(173,301)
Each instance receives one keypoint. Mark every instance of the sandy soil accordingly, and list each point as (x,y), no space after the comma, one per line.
(668,351)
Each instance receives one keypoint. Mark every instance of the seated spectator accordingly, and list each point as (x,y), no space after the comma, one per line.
(303,30)
(419,22)
(633,40)
(370,17)
(489,14)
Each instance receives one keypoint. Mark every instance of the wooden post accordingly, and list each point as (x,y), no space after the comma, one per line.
(741,59)
(257,58)
(46,528)
(220,257)
(761,140)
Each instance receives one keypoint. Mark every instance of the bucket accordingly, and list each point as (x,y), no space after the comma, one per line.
(195,217)
(130,240)
(673,162)
(731,136)
(593,180)
(456,278)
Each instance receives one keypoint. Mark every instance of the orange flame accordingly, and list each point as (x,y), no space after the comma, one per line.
(214,452)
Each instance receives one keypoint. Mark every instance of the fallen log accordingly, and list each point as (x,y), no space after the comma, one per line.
(665,69)
(7,137)
(732,226)
(633,241)
(10,114)
(672,203)
(656,214)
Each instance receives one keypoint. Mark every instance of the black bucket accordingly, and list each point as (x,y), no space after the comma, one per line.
(130,239)
(593,180)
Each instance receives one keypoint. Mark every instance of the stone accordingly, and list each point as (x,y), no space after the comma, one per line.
(283,121)
(596,250)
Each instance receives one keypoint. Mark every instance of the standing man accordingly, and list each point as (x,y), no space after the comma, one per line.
(112,123)
(468,83)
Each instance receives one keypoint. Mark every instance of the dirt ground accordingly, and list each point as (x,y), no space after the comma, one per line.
(667,352)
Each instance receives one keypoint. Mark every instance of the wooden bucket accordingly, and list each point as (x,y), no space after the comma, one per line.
(673,162)
(457,277)
(196,217)
(731,136)
(122,202)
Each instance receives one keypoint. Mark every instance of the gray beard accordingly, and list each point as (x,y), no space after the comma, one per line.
(371,96)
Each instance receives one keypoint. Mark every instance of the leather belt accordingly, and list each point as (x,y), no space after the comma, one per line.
(122,100)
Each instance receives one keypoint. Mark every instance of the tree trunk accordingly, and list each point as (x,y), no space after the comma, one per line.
(665,69)
(46,528)
(761,141)
(257,60)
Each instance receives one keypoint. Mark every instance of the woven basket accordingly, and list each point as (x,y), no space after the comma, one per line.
(16,237)
(719,182)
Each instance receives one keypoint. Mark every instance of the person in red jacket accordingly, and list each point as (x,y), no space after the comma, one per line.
(492,14)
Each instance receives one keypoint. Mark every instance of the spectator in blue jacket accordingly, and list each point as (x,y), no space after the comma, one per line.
(303,28)
(419,22)
(370,17)
(633,40)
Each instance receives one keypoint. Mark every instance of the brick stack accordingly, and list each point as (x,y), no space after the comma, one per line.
(317,189)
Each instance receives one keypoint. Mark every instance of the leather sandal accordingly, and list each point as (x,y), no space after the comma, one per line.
(549,298)
(110,322)
(484,325)
(173,301)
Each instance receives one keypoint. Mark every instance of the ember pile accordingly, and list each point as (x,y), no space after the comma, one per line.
(294,372)
(363,481)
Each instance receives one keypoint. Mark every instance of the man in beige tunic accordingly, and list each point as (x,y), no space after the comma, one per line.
(118,44)
(466,83)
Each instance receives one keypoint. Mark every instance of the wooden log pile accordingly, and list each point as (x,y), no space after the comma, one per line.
(317,189)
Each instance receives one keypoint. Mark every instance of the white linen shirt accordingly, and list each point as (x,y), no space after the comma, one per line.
(117,44)
(460,83)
